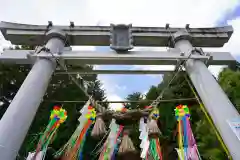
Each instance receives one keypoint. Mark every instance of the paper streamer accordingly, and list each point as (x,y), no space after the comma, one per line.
(187,144)
(73,148)
(144,138)
(108,147)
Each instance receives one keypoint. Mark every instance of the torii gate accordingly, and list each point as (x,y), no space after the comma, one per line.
(121,39)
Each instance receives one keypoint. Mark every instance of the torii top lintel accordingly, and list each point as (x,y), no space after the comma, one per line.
(23,34)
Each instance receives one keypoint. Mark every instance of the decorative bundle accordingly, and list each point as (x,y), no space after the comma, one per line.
(58,116)
(99,128)
(126,147)
(75,150)
(187,145)
(153,130)
(74,147)
(153,133)
(111,145)
(117,141)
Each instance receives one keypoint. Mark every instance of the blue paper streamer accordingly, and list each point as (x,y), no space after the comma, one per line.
(82,144)
(116,147)
(185,135)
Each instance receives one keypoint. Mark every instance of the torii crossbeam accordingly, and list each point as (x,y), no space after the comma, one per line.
(121,39)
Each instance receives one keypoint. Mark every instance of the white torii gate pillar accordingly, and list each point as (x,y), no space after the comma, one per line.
(215,100)
(17,119)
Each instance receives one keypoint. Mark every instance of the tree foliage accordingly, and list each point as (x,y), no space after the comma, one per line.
(230,82)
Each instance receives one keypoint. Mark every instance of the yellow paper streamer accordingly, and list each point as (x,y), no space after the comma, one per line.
(180,140)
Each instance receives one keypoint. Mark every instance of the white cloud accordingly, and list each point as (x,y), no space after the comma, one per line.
(144,94)
(138,12)
(3,43)
(115,106)
(160,12)
(154,68)
(215,70)
(234,45)
(111,89)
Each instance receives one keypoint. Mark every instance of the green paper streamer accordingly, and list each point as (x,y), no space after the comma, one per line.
(153,149)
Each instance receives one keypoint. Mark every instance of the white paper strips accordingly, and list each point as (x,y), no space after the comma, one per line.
(112,136)
(82,119)
(143,137)
(110,142)
(38,157)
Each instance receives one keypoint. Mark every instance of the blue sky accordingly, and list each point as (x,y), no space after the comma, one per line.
(230,15)
(200,13)
(127,84)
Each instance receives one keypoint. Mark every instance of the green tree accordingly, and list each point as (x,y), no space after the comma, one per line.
(208,144)
(136,96)
(230,82)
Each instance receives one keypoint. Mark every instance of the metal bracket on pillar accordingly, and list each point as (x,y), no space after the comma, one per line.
(184,35)
(121,37)
(180,62)
(179,36)
(200,51)
(53,33)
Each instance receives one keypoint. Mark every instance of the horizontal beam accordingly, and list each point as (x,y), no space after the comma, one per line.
(141,101)
(22,34)
(136,58)
(112,58)
(126,72)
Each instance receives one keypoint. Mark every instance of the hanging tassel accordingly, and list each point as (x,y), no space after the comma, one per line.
(99,129)
(72,141)
(73,153)
(116,143)
(73,149)
(76,151)
(108,146)
(194,153)
(126,147)
(159,149)
(180,112)
(153,130)
(187,146)
(58,116)
(153,134)
(155,149)
(144,145)
(180,141)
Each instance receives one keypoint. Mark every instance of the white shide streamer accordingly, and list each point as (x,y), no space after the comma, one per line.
(143,137)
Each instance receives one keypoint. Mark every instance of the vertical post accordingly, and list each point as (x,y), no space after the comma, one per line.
(16,121)
(215,100)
